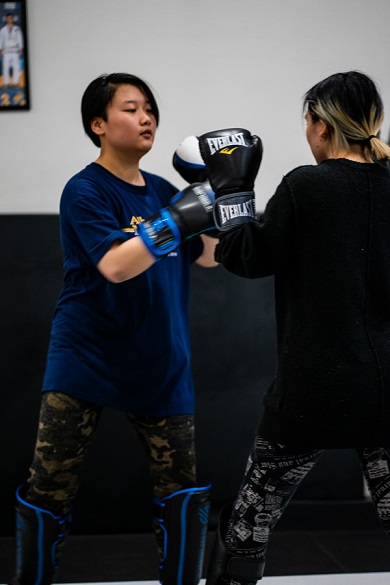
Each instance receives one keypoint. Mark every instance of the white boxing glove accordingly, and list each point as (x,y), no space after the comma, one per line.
(188,161)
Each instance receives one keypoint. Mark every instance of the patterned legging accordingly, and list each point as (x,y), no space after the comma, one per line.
(65,431)
(272,476)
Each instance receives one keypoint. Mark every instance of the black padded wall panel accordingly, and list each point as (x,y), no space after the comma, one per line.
(233,344)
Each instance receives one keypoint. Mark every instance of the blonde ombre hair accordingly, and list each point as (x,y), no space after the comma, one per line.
(350,105)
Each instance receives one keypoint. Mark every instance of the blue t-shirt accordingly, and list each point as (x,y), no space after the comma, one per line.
(120,345)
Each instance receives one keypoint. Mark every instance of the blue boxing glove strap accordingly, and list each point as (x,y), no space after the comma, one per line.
(160,234)
(234,209)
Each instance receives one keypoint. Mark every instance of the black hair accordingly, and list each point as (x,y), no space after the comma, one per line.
(353,92)
(100,93)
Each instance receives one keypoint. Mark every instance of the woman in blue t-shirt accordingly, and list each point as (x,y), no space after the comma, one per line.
(120,338)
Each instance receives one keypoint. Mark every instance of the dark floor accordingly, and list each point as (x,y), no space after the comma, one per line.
(357,545)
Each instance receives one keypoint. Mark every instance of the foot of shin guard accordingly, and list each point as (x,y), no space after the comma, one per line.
(183,519)
(224,563)
(39,537)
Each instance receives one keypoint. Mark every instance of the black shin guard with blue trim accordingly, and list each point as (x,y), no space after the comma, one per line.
(183,518)
(39,537)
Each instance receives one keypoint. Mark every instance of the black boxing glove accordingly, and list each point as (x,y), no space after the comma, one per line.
(187,161)
(190,213)
(232,158)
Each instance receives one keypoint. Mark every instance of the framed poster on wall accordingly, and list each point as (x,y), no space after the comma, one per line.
(14,82)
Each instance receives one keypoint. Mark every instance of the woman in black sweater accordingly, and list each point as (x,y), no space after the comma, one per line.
(325,236)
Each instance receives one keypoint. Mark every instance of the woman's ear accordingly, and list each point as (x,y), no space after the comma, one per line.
(97,126)
(323,131)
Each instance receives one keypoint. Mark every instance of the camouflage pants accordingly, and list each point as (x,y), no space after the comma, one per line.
(65,431)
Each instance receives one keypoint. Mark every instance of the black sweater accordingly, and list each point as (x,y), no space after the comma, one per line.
(325,235)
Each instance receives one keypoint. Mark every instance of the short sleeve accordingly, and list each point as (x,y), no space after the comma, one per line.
(91,218)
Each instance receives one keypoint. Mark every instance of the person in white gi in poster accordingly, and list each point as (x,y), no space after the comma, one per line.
(11,49)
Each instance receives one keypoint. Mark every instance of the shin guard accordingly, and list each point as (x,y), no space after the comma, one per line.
(183,519)
(39,537)
(224,562)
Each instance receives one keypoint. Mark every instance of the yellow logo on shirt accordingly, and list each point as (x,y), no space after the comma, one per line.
(135,220)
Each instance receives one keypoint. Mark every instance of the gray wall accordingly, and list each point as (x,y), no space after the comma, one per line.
(212,64)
